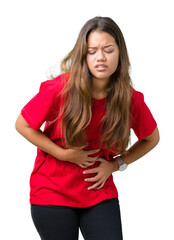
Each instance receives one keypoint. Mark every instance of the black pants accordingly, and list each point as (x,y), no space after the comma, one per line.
(99,222)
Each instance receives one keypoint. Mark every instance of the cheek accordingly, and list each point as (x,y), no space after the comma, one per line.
(114,63)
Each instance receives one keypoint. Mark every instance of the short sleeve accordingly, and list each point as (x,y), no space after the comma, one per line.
(142,120)
(40,108)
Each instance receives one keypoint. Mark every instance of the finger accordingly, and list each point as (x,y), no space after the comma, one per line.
(91,159)
(94,186)
(89,163)
(86,164)
(82,166)
(101,185)
(90,152)
(93,179)
(94,170)
(96,158)
(99,159)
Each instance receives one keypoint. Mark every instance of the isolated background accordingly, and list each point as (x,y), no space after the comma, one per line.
(37,34)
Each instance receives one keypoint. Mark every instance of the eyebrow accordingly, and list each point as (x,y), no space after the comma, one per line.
(104,46)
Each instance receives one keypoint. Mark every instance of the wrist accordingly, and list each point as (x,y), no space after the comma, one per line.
(122,165)
(115,165)
(62,154)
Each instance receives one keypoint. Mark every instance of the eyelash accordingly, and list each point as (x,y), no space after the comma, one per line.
(91,53)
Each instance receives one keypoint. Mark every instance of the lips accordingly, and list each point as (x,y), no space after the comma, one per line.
(101,67)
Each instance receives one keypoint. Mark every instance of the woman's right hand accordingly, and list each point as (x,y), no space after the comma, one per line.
(81,157)
(41,140)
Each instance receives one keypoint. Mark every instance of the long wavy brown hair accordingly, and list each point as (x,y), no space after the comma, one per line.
(77,93)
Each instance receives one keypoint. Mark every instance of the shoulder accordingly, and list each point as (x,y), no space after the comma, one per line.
(137,96)
(137,100)
(54,85)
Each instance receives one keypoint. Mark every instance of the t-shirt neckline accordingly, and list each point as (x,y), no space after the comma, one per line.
(99,99)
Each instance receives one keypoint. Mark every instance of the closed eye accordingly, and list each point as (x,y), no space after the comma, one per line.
(91,53)
(108,51)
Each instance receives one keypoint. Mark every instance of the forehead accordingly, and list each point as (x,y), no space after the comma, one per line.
(96,38)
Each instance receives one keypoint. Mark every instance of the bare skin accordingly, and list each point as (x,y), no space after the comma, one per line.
(39,139)
(102,59)
(106,168)
(82,158)
(101,54)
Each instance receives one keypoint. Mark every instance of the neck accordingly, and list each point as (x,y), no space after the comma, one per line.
(99,87)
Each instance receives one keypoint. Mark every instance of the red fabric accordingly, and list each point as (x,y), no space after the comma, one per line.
(56,182)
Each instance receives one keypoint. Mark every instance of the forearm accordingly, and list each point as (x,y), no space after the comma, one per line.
(39,139)
(139,149)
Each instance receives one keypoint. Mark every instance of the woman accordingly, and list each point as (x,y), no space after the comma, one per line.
(89,111)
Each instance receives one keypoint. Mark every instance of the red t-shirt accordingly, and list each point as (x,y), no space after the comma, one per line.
(56,182)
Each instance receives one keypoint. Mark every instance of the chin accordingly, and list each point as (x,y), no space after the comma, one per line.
(101,76)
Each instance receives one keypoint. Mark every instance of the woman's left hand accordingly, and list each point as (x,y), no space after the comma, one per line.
(104,170)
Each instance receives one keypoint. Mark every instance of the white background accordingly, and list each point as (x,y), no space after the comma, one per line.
(35,35)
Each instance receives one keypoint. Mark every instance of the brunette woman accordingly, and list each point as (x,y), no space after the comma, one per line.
(89,110)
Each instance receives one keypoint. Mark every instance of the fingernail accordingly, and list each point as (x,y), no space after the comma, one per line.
(89,188)
(85,179)
(84,172)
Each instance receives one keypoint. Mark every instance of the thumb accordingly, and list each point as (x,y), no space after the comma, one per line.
(98,159)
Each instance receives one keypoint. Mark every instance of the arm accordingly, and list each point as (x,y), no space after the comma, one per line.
(139,149)
(106,168)
(40,140)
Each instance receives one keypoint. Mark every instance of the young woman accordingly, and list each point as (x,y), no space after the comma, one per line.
(89,110)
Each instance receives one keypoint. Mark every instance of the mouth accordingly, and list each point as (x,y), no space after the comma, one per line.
(101,67)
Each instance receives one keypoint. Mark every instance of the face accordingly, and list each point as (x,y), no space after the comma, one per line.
(103,55)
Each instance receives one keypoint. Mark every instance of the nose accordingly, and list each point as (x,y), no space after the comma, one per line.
(101,56)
